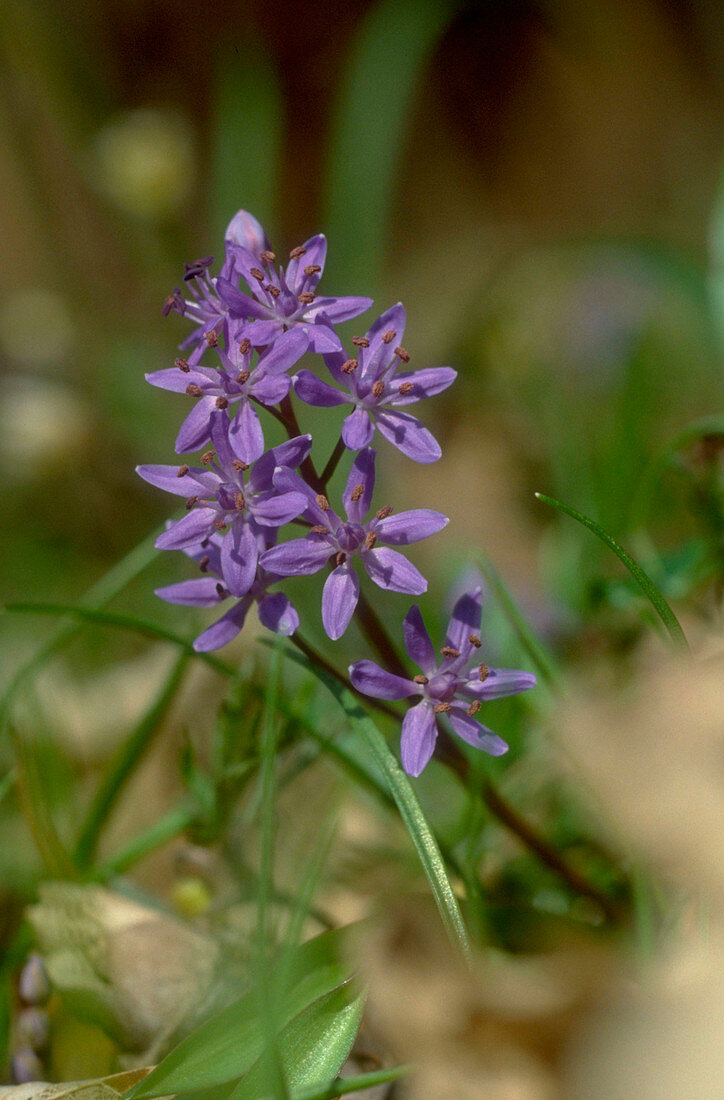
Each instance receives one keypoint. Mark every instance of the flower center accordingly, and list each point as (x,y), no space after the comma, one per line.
(442,687)
(350,537)
(230,498)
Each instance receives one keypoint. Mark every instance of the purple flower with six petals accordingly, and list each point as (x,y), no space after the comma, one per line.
(456,686)
(377,390)
(332,537)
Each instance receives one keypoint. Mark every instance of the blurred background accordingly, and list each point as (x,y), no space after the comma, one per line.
(540,182)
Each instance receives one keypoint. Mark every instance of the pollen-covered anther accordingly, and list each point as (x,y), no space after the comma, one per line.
(474,640)
(207,458)
(297,252)
(483,673)
(402,354)
(389,336)
(341,558)
(473,708)
(258,274)
(219,525)
(323,502)
(221,592)
(312,269)
(239,466)
(182,471)
(442,708)
(370,540)
(190,503)
(379,388)
(242,377)
(245,346)
(193,390)
(448,651)
(182,365)
(384,512)
(212,338)
(349,366)
(357,493)
(420,679)
(306,298)
(239,502)
(267,256)
(204,563)
(406,387)
(222,402)
(318,529)
(273,290)
(360,341)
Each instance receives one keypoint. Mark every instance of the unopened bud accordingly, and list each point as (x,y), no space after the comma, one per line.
(32,1029)
(34,984)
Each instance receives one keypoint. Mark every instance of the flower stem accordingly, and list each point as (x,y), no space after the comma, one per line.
(339,449)
(376,634)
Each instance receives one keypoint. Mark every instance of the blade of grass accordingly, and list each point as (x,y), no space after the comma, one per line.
(647,586)
(173,823)
(344,1086)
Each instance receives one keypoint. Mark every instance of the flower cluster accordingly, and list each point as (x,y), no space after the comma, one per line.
(252,323)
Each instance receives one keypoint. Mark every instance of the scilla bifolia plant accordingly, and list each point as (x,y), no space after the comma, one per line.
(252,324)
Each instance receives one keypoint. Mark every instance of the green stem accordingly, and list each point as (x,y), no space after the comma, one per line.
(339,450)
(174,823)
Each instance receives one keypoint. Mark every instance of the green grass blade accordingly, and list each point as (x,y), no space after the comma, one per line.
(173,823)
(642,579)
(344,1086)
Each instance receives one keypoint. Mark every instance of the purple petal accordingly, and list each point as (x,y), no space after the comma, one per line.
(361,481)
(220,438)
(277,510)
(465,620)
(201,592)
(177,380)
(225,629)
(419,734)
(239,303)
(271,389)
(321,337)
(339,599)
(391,570)
(187,531)
(499,683)
(245,435)
(334,361)
(408,435)
(285,352)
(375,359)
(285,481)
(425,383)
(313,391)
(239,555)
(166,477)
(417,641)
(357,430)
(370,679)
(292,453)
(298,557)
(336,310)
(277,613)
(245,230)
(195,430)
(315,253)
(261,332)
(412,526)
(475,733)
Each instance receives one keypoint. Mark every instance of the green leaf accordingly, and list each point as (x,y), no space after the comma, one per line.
(642,579)
(313,1047)
(344,1086)
(227,1046)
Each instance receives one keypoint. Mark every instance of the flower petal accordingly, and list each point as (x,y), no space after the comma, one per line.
(465,620)
(425,383)
(315,255)
(167,478)
(276,613)
(200,592)
(406,527)
(336,310)
(321,337)
(225,629)
(239,555)
(370,679)
(220,437)
(475,733)
(245,435)
(177,380)
(245,230)
(417,641)
(360,484)
(408,435)
(187,531)
(313,391)
(286,481)
(419,734)
(196,428)
(374,360)
(286,350)
(291,453)
(499,683)
(391,570)
(278,509)
(357,430)
(339,599)
(271,388)
(298,557)
(239,303)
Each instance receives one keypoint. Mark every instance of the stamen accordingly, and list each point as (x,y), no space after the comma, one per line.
(402,354)
(357,493)
(205,542)
(406,387)
(474,640)
(448,651)
(190,503)
(239,502)
(204,563)
(341,558)
(297,252)
(420,679)
(483,673)
(193,390)
(360,341)
(222,402)
(238,465)
(221,591)
(258,274)
(245,346)
(312,269)
(349,366)
(384,512)
(379,388)
(442,708)
(306,298)
(192,271)
(175,302)
(182,471)
(273,290)
(389,336)
(182,365)
(268,256)
(318,529)
(473,708)
(212,338)
(219,525)
(208,457)
(370,540)
(242,377)
(323,502)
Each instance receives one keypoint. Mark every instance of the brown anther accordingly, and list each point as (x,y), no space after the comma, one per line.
(238,465)
(318,529)
(349,366)
(384,512)
(208,457)
(221,592)
(182,471)
(370,540)
(239,502)
(193,390)
(258,274)
(483,673)
(242,377)
(442,708)
(474,640)
(420,679)
(182,365)
(222,402)
(323,502)
(389,336)
(406,387)
(360,341)
(267,256)
(473,708)
(379,388)
(273,290)
(190,503)
(448,651)
(402,354)
(205,542)
(212,338)
(341,558)
(312,269)
(245,346)
(357,493)
(204,563)
(306,298)
(219,524)
(297,252)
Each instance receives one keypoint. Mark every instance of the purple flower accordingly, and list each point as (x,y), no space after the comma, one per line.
(456,686)
(234,382)
(377,391)
(280,299)
(220,499)
(331,536)
(276,612)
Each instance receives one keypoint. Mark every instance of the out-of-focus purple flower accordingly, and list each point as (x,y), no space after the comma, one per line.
(234,382)
(377,390)
(220,499)
(275,611)
(457,686)
(332,537)
(279,299)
